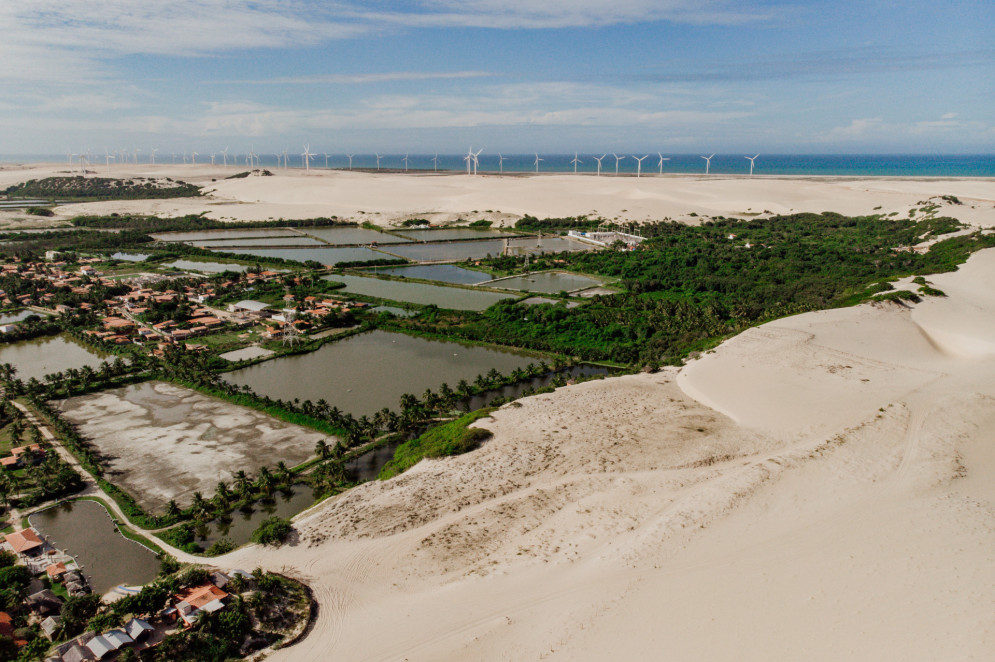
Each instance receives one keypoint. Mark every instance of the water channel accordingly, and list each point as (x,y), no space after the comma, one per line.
(293,240)
(475,250)
(444,273)
(42,356)
(454,298)
(368,372)
(85,530)
(448,234)
(242,523)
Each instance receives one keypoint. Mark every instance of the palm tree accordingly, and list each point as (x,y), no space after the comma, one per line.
(282,472)
(265,480)
(242,483)
(321,449)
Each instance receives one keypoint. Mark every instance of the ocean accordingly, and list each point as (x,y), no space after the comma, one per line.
(837,165)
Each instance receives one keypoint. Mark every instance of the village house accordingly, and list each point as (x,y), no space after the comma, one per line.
(24,542)
(206,598)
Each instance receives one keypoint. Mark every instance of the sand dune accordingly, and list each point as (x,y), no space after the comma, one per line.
(819,488)
(384,198)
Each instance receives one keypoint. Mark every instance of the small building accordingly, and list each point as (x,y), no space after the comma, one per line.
(206,597)
(44,603)
(50,626)
(77,653)
(8,328)
(250,308)
(56,571)
(25,541)
(137,628)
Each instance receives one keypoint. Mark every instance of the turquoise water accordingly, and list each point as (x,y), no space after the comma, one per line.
(856,165)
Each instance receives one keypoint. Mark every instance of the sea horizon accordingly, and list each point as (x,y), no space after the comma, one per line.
(840,165)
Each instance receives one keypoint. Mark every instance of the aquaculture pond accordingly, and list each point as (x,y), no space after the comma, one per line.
(238,527)
(549,282)
(294,240)
(85,530)
(43,356)
(455,298)
(329,256)
(475,250)
(394,310)
(450,234)
(19,316)
(348,236)
(365,373)
(206,267)
(130,257)
(234,233)
(444,273)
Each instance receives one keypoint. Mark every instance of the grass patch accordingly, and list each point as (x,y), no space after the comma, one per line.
(453,438)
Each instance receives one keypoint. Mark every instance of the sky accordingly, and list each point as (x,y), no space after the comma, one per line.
(558,76)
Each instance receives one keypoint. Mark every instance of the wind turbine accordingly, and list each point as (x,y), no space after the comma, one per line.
(326,161)
(405,159)
(284,159)
(435,160)
(575,162)
(751,159)
(378,160)
(224,155)
(253,157)
(136,155)
(500,163)
(476,159)
(537,161)
(107,158)
(708,162)
(639,167)
(599,159)
(617,159)
(307,156)
(662,159)
(156,149)
(350,160)
(213,156)
(193,158)
(469,160)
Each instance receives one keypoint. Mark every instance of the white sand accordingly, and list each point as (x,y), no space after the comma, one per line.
(820,488)
(810,515)
(388,197)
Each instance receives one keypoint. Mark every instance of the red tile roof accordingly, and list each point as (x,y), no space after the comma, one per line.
(23,540)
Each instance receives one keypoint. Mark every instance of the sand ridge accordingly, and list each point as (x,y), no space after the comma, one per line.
(627,518)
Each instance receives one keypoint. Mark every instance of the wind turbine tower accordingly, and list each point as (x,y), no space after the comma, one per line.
(639,166)
(708,162)
(307,156)
(378,161)
(285,161)
(751,159)
(476,159)
(617,159)
(500,163)
(469,160)
(156,149)
(575,162)
(224,155)
(405,159)
(326,161)
(662,159)
(599,159)
(107,158)
(214,155)
(537,162)
(350,160)
(193,158)
(435,161)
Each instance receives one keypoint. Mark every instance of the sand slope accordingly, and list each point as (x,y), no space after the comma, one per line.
(819,488)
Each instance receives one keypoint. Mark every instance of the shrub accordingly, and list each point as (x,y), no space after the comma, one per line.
(273,531)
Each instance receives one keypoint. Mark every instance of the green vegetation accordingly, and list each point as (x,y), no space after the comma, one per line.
(40,211)
(102,188)
(273,531)
(452,438)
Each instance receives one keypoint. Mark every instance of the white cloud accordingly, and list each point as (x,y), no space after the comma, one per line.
(360,79)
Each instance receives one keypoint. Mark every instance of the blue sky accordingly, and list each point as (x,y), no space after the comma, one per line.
(681,76)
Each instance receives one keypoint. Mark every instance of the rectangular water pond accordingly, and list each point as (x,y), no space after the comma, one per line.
(43,356)
(240,525)
(444,273)
(130,257)
(234,233)
(347,236)
(365,373)
(160,441)
(475,250)
(454,298)
(449,234)
(262,242)
(206,267)
(328,256)
(549,282)
(84,529)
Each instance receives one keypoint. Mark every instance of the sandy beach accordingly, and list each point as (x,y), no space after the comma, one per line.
(818,488)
